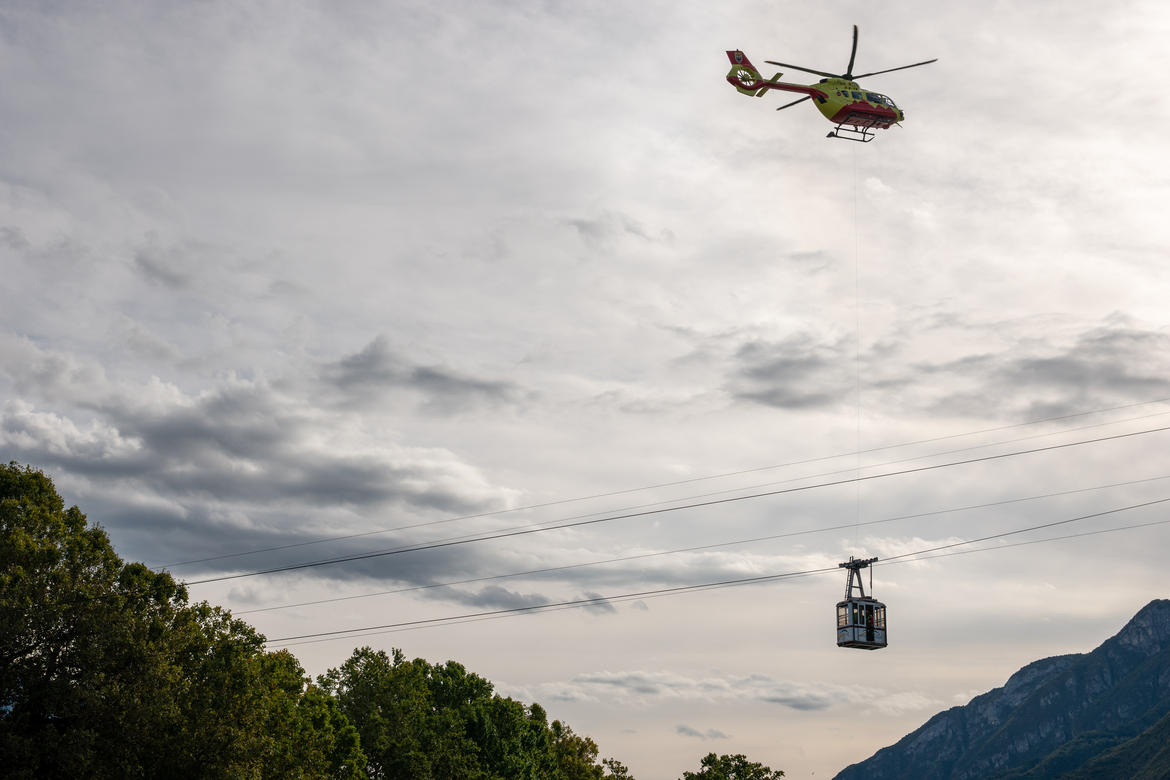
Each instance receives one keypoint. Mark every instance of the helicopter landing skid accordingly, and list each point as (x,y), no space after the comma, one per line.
(861,134)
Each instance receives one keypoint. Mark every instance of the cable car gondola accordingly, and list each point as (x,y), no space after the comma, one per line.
(861,620)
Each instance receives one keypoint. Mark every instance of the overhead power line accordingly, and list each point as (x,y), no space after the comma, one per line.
(630,515)
(691,480)
(696,548)
(599,600)
(1082,534)
(681,499)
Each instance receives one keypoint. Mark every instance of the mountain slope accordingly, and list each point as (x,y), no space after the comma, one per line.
(1146,757)
(1052,717)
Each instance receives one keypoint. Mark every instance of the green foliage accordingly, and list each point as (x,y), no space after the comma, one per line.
(422,721)
(106,671)
(1067,757)
(575,756)
(616,770)
(728,767)
(1145,757)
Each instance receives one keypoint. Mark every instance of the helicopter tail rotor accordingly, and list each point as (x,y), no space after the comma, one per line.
(743,75)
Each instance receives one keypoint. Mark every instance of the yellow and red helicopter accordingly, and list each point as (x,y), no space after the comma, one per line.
(855,111)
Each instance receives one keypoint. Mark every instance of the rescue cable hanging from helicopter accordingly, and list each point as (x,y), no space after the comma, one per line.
(857,113)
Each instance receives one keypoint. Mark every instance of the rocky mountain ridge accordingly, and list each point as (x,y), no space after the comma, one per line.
(1053,717)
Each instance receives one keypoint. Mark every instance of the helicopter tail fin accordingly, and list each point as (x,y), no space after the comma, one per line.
(765,88)
(744,76)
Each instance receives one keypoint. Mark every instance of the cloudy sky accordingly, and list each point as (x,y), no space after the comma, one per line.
(320,280)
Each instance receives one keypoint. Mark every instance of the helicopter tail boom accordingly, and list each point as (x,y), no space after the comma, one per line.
(747,79)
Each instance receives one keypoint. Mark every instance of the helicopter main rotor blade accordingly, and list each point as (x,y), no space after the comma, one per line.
(794,102)
(806,70)
(852,55)
(891,70)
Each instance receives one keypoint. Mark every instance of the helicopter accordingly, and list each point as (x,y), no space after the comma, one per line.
(856,112)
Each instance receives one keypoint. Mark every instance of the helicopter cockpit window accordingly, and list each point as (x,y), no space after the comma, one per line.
(857,96)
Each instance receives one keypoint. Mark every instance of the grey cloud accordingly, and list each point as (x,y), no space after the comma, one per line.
(800,696)
(59,253)
(805,702)
(600,606)
(161,270)
(490,597)
(239,468)
(471,560)
(252,424)
(666,570)
(377,370)
(210,509)
(56,443)
(373,364)
(145,342)
(381,569)
(245,461)
(597,231)
(810,697)
(1113,362)
(1107,359)
(799,372)
(14,238)
(636,682)
(40,373)
(813,262)
(687,731)
(245,421)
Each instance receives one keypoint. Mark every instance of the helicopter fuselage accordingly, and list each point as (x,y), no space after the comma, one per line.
(846,103)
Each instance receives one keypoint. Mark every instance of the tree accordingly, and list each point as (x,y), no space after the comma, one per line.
(106,671)
(728,767)
(422,720)
(419,720)
(576,756)
(79,639)
(616,770)
(386,701)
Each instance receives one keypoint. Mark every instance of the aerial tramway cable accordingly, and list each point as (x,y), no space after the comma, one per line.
(645,513)
(375,532)
(904,557)
(479,535)
(698,548)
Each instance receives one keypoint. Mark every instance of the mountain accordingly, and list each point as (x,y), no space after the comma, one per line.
(1100,714)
